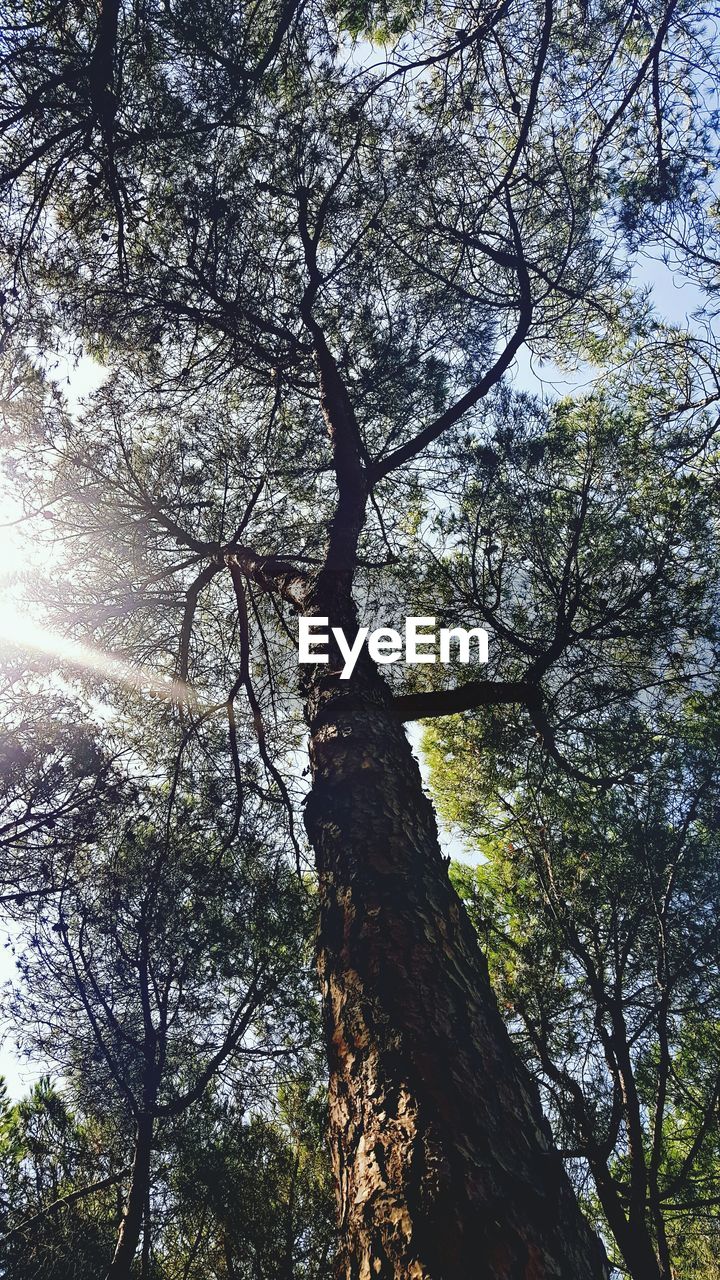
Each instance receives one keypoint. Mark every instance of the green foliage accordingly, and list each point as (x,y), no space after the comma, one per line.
(582,539)
(260,1184)
(237,1193)
(597,911)
(168,950)
(382,23)
(47,1153)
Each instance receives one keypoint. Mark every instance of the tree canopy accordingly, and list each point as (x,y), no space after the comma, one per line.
(301,249)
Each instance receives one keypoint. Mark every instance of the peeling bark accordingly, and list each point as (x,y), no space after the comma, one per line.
(443,1161)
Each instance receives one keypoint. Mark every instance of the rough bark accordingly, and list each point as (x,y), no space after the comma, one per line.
(443,1160)
(131,1225)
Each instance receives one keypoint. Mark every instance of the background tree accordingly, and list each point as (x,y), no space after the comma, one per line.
(166,956)
(597,911)
(60,1182)
(256,1191)
(55,776)
(582,535)
(238,1189)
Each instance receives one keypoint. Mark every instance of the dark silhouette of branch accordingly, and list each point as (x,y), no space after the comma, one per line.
(405,452)
(245,680)
(63,1201)
(489,693)
(205,576)
(635,83)
(464,697)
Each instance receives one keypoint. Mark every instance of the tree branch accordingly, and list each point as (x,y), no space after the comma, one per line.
(405,452)
(62,1201)
(464,697)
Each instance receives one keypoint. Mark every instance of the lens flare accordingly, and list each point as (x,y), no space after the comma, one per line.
(21,632)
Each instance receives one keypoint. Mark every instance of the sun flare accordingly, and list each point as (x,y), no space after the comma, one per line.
(19,631)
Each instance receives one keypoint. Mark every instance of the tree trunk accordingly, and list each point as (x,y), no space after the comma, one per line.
(444,1163)
(131,1225)
(631,1235)
(665,1267)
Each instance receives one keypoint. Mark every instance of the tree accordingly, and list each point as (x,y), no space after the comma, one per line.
(172,955)
(59,1182)
(610,977)
(255,1189)
(596,804)
(55,776)
(307,276)
(240,1188)
(582,535)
